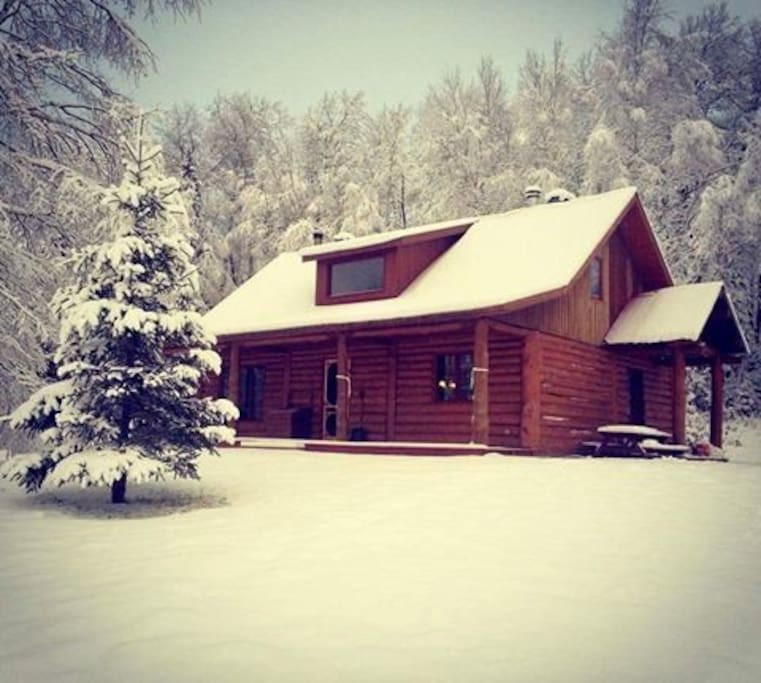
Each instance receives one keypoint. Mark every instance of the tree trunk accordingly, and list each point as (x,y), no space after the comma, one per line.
(119,486)
(118,489)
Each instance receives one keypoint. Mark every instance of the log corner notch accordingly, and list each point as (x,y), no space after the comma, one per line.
(717,401)
(678,394)
(480,415)
(531,391)
(343,386)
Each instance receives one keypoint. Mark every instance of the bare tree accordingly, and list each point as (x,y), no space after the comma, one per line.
(60,121)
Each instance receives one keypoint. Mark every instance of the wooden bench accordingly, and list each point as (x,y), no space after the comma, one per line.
(655,446)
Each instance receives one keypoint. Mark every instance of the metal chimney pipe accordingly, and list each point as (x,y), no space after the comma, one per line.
(532,194)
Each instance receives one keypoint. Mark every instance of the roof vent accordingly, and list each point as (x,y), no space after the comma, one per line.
(532,194)
(343,236)
(559,194)
(317,236)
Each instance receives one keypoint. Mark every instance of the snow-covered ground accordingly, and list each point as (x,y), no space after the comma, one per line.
(285,566)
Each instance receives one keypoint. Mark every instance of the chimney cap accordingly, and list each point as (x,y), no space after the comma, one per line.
(343,236)
(559,194)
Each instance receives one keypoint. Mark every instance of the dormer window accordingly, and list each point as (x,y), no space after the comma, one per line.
(377,267)
(359,276)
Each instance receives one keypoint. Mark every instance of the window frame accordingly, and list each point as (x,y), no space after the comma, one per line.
(460,368)
(257,400)
(376,258)
(596,279)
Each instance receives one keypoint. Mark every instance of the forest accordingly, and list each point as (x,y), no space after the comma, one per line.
(670,106)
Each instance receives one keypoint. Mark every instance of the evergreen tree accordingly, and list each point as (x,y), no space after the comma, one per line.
(131,351)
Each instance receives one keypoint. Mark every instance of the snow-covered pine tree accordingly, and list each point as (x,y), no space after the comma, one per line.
(131,351)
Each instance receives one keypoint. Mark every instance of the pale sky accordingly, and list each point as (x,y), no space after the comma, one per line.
(293,51)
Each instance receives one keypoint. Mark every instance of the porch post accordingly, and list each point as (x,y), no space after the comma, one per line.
(286,399)
(717,401)
(480,416)
(391,393)
(531,391)
(233,377)
(343,389)
(679,403)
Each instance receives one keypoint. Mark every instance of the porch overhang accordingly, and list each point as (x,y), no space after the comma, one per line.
(679,326)
(700,317)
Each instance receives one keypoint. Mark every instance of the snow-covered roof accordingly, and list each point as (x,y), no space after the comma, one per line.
(382,238)
(501,259)
(678,313)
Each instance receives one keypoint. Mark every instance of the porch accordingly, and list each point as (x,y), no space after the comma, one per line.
(685,326)
(377,447)
(458,382)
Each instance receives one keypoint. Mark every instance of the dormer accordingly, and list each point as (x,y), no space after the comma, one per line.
(378,266)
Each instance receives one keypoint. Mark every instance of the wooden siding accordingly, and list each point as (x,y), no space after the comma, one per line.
(624,280)
(411,260)
(584,386)
(576,314)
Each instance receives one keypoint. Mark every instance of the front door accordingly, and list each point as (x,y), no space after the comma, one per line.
(330,400)
(636,397)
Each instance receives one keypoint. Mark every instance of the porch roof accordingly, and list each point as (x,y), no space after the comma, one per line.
(695,312)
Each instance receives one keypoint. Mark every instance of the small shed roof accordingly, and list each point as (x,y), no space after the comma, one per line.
(500,260)
(694,312)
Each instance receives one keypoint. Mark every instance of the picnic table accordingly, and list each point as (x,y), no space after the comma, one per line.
(627,440)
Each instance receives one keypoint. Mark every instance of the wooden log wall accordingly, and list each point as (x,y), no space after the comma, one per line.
(584,386)
(419,416)
(306,378)
(369,388)
(303,368)
(504,390)
(581,387)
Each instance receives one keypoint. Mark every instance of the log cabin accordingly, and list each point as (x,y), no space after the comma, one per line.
(522,331)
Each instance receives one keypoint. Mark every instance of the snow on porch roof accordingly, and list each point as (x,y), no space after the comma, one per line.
(679,313)
(501,259)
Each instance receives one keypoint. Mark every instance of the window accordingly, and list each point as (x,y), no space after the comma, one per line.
(454,377)
(360,275)
(251,392)
(595,278)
